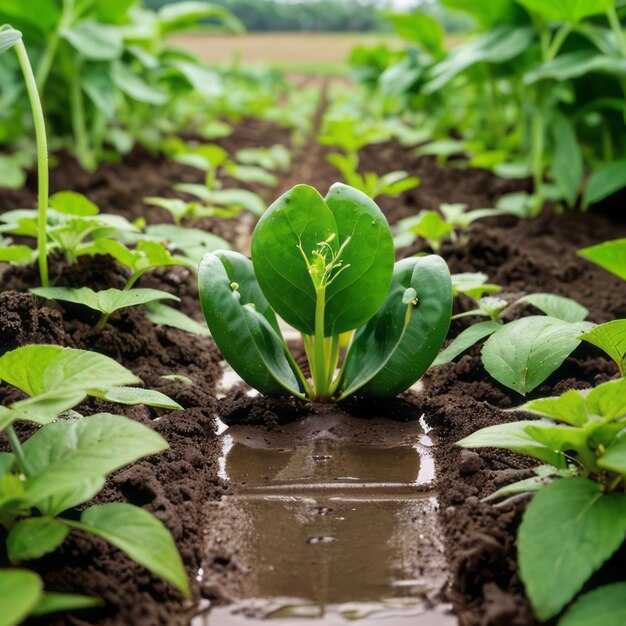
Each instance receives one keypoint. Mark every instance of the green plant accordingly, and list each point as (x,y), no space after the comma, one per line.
(10,37)
(105,69)
(64,464)
(523,353)
(350,136)
(610,255)
(577,519)
(325,266)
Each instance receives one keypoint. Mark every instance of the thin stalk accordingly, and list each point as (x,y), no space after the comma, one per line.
(18,451)
(557,42)
(616,27)
(319,364)
(47,59)
(102,322)
(537,159)
(79,126)
(42,161)
(308,390)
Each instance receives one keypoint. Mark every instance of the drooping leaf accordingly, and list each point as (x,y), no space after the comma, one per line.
(242,323)
(182,16)
(38,369)
(138,395)
(87,449)
(567,164)
(610,337)
(610,255)
(135,87)
(205,81)
(523,353)
(240,198)
(394,349)
(604,606)
(20,591)
(106,301)
(575,64)
(192,242)
(33,537)
(167,316)
(141,536)
(94,40)
(466,340)
(514,437)
(560,307)
(419,28)
(52,602)
(8,37)
(568,531)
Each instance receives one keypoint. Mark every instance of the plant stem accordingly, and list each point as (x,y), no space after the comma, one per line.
(319,364)
(81,139)
(537,159)
(557,42)
(42,160)
(18,451)
(616,27)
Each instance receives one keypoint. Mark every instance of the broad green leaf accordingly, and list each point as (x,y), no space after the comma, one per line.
(135,87)
(113,11)
(567,164)
(567,10)
(31,538)
(192,242)
(466,340)
(568,531)
(141,536)
(242,323)
(20,591)
(608,400)
(97,84)
(604,606)
(8,37)
(610,337)
(359,291)
(16,254)
(73,203)
(498,45)
(138,395)
(106,301)
(523,353)
(42,15)
(167,316)
(614,459)
(575,64)
(560,307)
(43,408)
(52,602)
(38,369)
(94,40)
(570,408)
(514,437)
(98,444)
(7,461)
(610,255)
(394,349)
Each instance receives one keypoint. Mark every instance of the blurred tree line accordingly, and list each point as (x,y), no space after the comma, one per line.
(313,15)
(322,15)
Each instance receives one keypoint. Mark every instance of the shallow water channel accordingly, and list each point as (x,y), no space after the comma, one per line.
(332,519)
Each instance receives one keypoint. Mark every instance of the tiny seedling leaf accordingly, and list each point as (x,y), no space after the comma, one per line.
(466,340)
(20,591)
(610,337)
(33,537)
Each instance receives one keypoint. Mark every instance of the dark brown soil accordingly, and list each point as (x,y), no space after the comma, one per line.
(522,256)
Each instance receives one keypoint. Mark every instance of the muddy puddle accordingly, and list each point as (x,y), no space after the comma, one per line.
(332,519)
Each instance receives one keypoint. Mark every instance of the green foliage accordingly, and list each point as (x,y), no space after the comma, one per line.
(577,519)
(325,265)
(523,353)
(610,255)
(610,337)
(603,606)
(64,464)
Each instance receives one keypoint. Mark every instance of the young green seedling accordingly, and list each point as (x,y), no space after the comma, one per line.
(325,266)
(65,464)
(523,353)
(577,519)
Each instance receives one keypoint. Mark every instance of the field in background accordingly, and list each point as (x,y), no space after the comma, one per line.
(316,53)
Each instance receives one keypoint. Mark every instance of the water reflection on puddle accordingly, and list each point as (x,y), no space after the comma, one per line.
(333,519)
